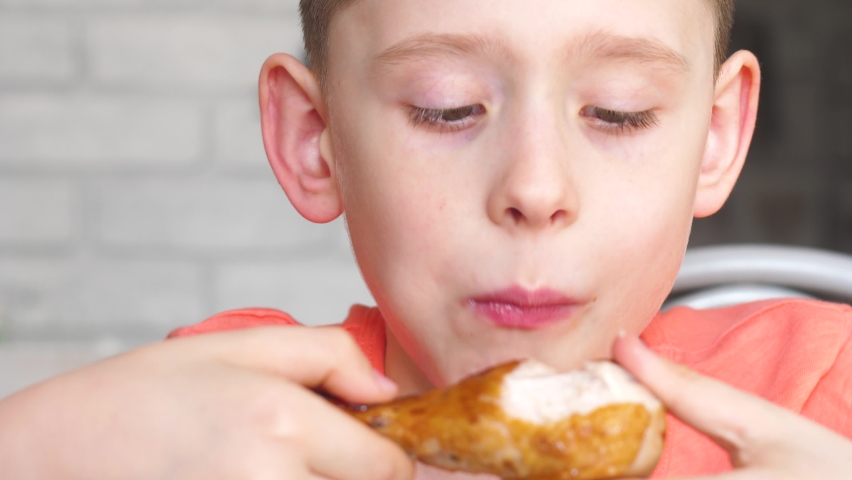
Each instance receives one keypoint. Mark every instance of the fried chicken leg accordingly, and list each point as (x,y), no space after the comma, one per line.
(523,420)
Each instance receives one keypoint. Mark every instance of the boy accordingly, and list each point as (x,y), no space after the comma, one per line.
(518,180)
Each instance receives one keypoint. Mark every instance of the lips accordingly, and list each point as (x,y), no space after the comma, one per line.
(519,308)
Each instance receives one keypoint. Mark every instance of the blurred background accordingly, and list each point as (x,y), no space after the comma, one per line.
(796,187)
(135,196)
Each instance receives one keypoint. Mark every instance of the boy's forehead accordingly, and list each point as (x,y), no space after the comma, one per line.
(677,34)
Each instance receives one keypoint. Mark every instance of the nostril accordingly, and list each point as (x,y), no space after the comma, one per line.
(516,214)
(559,216)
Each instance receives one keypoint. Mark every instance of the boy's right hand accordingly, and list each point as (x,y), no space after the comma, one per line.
(224,405)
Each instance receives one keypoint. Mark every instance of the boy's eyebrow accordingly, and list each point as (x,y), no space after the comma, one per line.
(602,45)
(599,45)
(440,45)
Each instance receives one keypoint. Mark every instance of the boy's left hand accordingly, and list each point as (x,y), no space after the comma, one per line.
(764,440)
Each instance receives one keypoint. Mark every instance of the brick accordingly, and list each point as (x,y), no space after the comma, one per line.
(79,298)
(340,237)
(208,5)
(37,212)
(315,292)
(36,50)
(238,141)
(39,130)
(187,50)
(212,216)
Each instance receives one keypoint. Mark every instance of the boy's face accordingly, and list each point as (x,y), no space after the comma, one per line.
(519,177)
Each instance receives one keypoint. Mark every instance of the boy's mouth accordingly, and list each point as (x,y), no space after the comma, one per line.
(519,308)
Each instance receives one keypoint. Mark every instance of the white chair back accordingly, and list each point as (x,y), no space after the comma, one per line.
(727,275)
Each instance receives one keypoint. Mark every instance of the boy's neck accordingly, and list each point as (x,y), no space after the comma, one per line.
(402,369)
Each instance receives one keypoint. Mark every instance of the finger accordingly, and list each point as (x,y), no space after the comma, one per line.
(750,474)
(326,358)
(340,447)
(277,469)
(285,470)
(732,475)
(737,475)
(739,422)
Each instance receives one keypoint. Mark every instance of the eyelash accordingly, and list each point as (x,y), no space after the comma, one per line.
(454,119)
(446,120)
(616,122)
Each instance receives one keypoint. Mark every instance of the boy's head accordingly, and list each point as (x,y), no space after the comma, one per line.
(518,178)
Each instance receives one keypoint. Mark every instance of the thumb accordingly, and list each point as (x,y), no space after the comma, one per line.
(739,422)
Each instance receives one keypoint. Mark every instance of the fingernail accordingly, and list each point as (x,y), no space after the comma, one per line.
(384,382)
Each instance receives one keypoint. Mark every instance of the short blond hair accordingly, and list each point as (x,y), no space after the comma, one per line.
(318,14)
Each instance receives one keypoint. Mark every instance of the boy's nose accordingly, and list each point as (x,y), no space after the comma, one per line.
(536,188)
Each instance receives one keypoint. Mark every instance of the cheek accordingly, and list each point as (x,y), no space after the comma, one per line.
(651,250)
(400,218)
(398,208)
(649,212)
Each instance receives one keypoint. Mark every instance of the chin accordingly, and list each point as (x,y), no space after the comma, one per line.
(565,346)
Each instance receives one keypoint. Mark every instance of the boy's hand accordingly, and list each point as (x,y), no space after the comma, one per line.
(765,441)
(227,405)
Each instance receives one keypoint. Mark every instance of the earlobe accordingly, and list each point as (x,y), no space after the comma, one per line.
(296,137)
(731,129)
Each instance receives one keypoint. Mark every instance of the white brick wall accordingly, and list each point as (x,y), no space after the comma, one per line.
(62,130)
(202,216)
(316,290)
(33,48)
(252,6)
(237,136)
(37,212)
(82,297)
(186,51)
(134,191)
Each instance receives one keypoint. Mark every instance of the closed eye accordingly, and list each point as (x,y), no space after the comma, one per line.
(451,119)
(613,121)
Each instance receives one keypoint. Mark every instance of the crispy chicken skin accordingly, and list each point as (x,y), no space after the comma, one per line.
(467,427)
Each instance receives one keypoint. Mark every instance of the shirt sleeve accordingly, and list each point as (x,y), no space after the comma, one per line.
(236,320)
(830,402)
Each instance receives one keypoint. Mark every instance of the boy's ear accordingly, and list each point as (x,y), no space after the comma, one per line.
(731,129)
(295,135)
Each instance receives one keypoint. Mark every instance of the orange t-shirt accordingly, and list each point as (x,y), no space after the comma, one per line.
(795,353)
